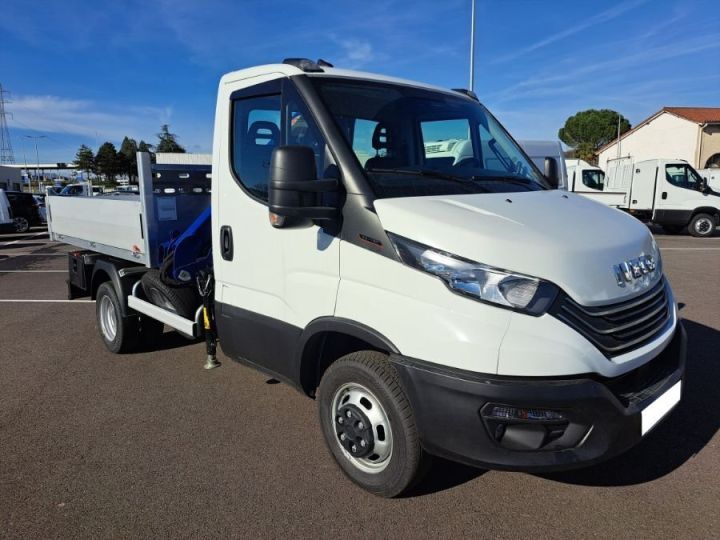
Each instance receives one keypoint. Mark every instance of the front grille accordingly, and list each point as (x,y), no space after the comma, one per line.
(618,328)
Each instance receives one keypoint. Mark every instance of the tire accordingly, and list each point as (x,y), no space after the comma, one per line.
(702,225)
(367,386)
(22,225)
(120,334)
(181,300)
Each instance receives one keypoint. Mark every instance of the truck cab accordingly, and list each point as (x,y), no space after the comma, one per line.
(668,192)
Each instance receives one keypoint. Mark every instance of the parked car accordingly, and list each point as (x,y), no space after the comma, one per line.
(25,210)
(40,199)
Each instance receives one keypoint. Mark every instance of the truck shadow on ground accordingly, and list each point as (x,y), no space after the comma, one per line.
(444,475)
(167,341)
(682,435)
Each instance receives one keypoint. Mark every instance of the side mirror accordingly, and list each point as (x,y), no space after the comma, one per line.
(551,172)
(294,189)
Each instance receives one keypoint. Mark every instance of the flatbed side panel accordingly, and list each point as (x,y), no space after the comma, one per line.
(615,199)
(107,225)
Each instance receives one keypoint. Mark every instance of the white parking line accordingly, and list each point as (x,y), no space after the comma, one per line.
(23,238)
(23,300)
(32,271)
(688,249)
(33,254)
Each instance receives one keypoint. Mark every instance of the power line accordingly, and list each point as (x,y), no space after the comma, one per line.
(6,151)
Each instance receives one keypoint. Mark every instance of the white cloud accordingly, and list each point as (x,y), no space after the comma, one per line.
(573,28)
(355,52)
(54,114)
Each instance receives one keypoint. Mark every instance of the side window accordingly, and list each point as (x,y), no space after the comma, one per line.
(593,179)
(256,133)
(675,174)
(683,176)
(301,130)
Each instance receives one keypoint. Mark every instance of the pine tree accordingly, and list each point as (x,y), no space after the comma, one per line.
(107,161)
(167,142)
(85,160)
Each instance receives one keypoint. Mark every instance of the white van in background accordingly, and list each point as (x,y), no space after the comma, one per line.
(84,189)
(543,154)
(668,192)
(712,176)
(6,221)
(589,181)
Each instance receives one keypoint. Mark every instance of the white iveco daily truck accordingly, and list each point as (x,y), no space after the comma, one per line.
(430,306)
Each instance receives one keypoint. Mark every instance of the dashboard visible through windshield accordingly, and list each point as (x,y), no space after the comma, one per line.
(412,141)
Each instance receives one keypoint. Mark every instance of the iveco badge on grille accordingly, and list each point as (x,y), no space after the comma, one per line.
(633,269)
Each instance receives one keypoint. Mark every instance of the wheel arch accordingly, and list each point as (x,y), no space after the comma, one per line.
(326,339)
(714,212)
(106,270)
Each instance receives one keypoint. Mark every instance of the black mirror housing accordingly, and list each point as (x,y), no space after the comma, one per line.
(294,189)
(551,172)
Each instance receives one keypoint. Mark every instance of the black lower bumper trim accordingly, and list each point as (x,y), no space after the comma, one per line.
(600,420)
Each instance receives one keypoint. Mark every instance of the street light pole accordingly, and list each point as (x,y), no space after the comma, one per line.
(37,157)
(472,46)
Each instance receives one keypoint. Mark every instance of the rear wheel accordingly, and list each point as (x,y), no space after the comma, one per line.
(702,225)
(368,424)
(120,334)
(22,225)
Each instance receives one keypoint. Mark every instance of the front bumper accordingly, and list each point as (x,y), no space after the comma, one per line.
(602,415)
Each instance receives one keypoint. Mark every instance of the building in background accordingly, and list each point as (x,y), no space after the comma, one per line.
(689,133)
(163,158)
(11,178)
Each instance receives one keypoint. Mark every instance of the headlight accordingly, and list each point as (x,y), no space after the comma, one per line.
(479,281)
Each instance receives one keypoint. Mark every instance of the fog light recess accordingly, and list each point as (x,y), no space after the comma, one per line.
(518,428)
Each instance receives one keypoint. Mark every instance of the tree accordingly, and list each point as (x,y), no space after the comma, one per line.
(144,147)
(588,131)
(127,158)
(85,160)
(107,161)
(167,142)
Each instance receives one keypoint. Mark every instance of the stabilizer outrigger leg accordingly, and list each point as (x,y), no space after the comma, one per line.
(205,283)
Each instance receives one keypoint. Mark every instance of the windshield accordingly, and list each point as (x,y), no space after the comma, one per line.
(414,142)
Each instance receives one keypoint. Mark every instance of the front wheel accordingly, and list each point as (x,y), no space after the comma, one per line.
(368,424)
(22,225)
(702,225)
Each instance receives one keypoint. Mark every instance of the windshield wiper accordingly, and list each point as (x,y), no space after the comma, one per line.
(517,180)
(430,173)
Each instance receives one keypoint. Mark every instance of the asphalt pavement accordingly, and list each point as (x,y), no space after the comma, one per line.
(151,445)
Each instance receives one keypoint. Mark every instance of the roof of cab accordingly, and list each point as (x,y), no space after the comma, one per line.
(288,70)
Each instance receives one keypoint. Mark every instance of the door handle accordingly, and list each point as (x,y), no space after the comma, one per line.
(226,243)
(664,195)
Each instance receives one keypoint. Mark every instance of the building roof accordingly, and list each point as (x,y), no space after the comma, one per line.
(699,115)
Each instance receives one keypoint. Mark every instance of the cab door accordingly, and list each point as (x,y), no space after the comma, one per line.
(679,192)
(270,283)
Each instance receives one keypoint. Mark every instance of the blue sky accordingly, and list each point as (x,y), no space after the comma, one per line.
(89,71)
